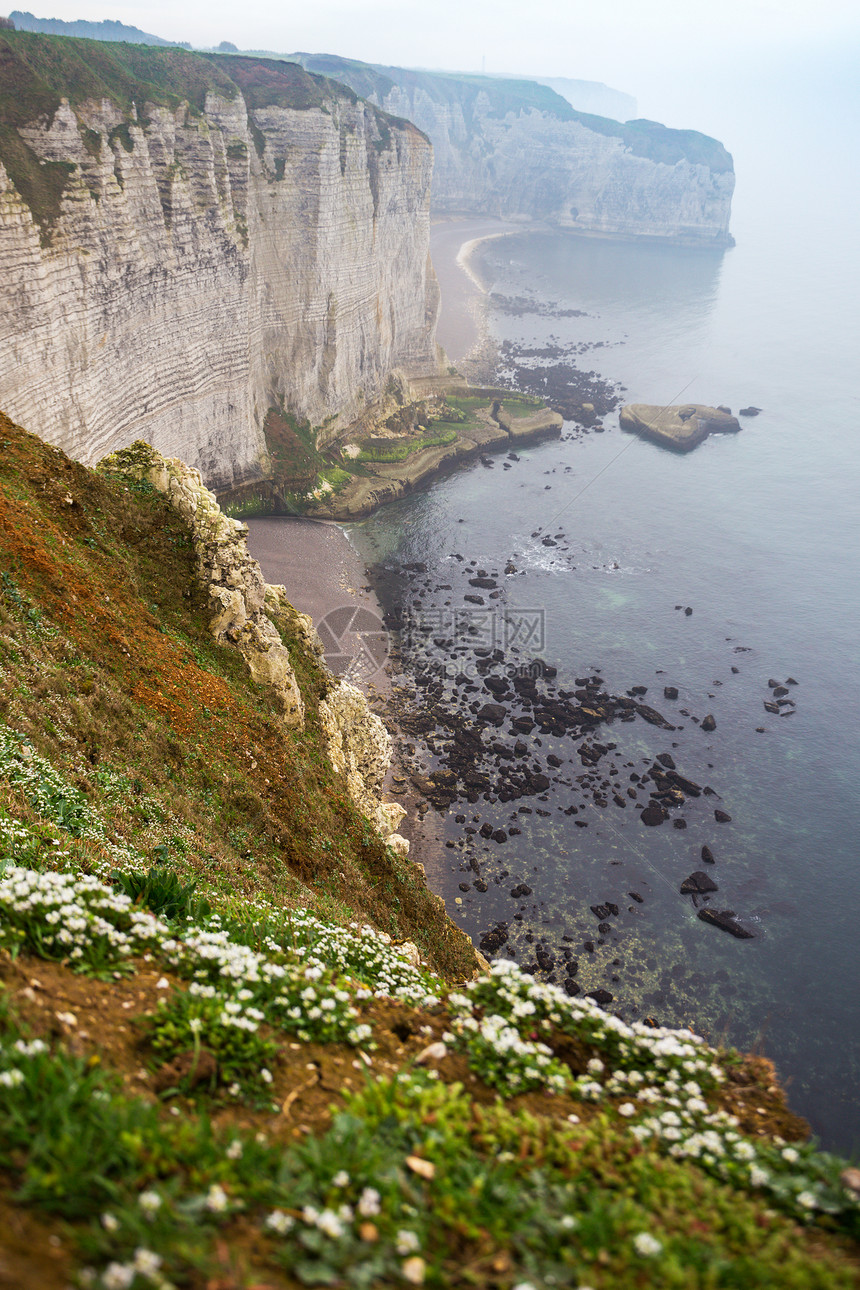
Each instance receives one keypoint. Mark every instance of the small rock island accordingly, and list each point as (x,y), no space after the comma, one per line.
(680,428)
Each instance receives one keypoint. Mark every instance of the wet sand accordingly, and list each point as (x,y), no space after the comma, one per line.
(462,331)
(314,561)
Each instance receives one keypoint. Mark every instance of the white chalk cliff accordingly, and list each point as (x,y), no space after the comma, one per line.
(263,243)
(517,149)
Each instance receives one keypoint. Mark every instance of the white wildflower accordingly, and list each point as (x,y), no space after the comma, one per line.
(146,1262)
(216,1199)
(368,1204)
(118,1276)
(646,1246)
(279,1222)
(329,1223)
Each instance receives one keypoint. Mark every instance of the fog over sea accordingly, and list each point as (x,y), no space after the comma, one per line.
(758,533)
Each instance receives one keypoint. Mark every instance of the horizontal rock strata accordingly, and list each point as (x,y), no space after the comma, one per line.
(170,269)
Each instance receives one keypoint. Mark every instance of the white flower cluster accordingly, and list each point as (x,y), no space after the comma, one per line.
(77,917)
(505,1059)
(795,1176)
(74,917)
(12,1076)
(513,996)
(146,1264)
(360,952)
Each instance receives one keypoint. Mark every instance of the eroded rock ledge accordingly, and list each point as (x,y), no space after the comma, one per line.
(242,606)
(681,428)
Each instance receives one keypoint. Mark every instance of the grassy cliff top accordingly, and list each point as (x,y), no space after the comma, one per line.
(644,138)
(36,71)
(220,1066)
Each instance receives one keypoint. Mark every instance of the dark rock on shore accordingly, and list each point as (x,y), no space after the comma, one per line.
(726,921)
(749,412)
(698,882)
(653,816)
(709,723)
(708,855)
(493,714)
(653,717)
(722,817)
(670,692)
(494,939)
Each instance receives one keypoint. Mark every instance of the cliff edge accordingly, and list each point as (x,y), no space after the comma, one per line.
(519,150)
(187,241)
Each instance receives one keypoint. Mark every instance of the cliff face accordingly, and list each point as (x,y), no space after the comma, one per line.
(519,150)
(185,242)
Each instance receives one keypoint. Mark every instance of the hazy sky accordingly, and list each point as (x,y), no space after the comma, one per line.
(678,57)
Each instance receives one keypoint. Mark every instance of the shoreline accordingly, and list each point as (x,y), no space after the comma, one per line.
(322,572)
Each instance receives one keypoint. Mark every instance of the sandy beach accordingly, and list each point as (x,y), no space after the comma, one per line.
(462,330)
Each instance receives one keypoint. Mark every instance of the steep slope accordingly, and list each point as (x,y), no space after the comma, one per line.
(519,150)
(187,241)
(217,1071)
(125,665)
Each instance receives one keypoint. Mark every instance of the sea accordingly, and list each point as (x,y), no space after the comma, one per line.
(757,533)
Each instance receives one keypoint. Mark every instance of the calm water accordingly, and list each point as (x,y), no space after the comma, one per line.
(758,533)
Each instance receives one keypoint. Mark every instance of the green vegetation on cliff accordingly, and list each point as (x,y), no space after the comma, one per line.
(220,1066)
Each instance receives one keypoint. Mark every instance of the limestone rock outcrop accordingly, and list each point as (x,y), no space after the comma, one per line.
(237,592)
(681,428)
(517,149)
(245,612)
(199,239)
(360,746)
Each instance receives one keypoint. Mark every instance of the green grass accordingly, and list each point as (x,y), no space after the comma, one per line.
(401,449)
